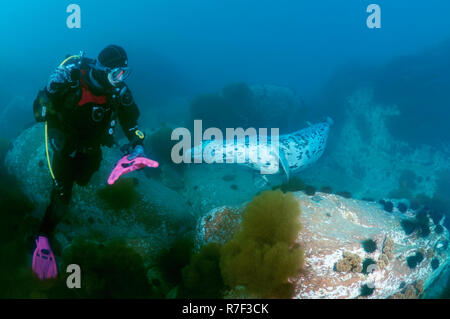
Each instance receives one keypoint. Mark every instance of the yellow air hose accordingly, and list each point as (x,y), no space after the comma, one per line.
(46,152)
(46,131)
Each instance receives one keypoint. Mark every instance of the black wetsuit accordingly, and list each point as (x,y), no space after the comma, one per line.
(82,119)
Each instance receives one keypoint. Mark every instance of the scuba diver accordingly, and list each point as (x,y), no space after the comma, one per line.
(81,105)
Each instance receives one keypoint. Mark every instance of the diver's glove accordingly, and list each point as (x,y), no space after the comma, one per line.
(138,151)
(62,78)
(58,80)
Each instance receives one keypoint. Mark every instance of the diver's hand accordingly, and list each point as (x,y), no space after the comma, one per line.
(59,79)
(137,152)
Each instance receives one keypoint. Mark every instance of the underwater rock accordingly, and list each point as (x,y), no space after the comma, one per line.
(242,105)
(171,177)
(334,227)
(284,104)
(158,213)
(438,281)
(218,226)
(411,291)
(438,229)
(372,167)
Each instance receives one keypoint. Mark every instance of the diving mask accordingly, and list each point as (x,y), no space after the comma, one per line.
(118,75)
(115,76)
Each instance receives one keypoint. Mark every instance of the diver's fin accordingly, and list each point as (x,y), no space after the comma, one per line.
(44,263)
(284,163)
(124,166)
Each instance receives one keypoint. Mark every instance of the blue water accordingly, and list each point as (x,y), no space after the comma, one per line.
(184,47)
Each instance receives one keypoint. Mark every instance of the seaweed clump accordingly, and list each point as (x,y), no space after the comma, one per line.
(263,255)
(110,270)
(349,263)
(121,195)
(16,279)
(16,224)
(173,259)
(387,253)
(202,277)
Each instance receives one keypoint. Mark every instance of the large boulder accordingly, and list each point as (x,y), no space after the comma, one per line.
(281,107)
(241,105)
(149,222)
(364,158)
(351,247)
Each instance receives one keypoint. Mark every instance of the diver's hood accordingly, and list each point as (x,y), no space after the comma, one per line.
(98,81)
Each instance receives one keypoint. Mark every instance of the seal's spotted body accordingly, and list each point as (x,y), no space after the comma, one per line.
(297,150)
(304,147)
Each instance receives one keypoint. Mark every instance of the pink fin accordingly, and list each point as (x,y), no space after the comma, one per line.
(44,263)
(125,166)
